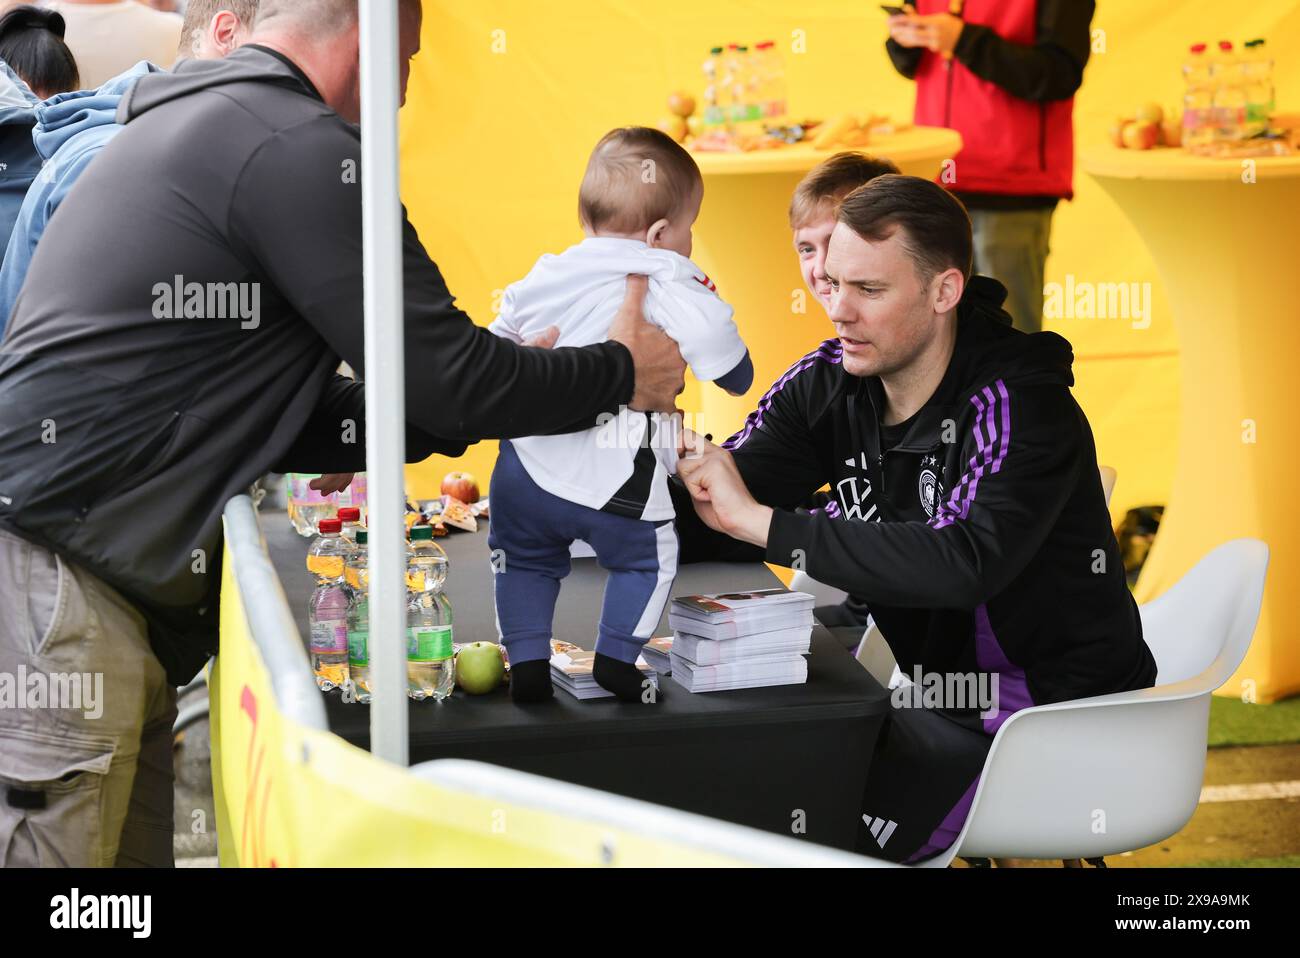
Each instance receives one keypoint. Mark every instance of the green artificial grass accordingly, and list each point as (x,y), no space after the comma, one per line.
(1233,722)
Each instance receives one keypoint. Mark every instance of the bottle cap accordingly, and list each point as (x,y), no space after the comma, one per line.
(422,534)
(1225,46)
(1198,48)
(330,527)
(363,537)
(349,514)
(1255,43)
(715,50)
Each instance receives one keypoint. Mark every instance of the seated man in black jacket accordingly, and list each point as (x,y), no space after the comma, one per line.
(966,505)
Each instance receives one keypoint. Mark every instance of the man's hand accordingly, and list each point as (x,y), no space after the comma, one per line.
(546,339)
(939,32)
(332,482)
(660,369)
(719,493)
(905,29)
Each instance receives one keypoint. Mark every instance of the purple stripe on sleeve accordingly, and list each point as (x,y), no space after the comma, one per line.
(828,352)
(1006,424)
(998,441)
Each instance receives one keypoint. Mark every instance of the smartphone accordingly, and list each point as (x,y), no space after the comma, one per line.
(893,11)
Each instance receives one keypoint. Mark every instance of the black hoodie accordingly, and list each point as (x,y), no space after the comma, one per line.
(127,421)
(979,538)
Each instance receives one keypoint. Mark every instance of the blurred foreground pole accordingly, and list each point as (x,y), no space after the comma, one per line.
(385,379)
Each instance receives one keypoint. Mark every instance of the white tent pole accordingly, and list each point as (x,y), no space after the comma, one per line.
(385,378)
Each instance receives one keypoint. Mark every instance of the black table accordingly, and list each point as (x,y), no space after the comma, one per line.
(778,759)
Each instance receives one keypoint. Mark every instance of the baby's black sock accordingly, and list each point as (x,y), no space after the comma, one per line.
(623,679)
(531,681)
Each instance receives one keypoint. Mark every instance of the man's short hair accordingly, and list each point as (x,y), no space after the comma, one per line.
(936,230)
(199,13)
(820,193)
(636,176)
(322,17)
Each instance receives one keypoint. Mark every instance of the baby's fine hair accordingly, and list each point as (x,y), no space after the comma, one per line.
(636,176)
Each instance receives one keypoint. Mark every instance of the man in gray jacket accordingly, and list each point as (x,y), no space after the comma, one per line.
(177,337)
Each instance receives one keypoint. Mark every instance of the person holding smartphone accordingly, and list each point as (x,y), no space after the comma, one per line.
(1002,73)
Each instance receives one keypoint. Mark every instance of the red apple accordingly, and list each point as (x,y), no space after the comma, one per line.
(462,486)
(1141,136)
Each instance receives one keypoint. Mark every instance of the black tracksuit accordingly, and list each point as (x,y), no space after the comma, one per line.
(977,533)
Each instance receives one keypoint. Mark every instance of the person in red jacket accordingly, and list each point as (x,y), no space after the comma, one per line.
(1002,73)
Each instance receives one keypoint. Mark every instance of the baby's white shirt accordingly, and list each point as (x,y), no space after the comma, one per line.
(580,291)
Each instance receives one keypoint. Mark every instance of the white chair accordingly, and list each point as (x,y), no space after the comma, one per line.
(1110,774)
(1108,478)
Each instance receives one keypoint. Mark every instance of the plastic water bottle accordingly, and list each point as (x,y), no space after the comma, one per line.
(733,86)
(1257,75)
(1198,100)
(1229,94)
(307,507)
(715,111)
(327,611)
(356,576)
(350,516)
(746,114)
(430,656)
(771,70)
(356,495)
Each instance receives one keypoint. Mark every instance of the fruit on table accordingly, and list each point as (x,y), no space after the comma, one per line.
(462,486)
(695,125)
(833,132)
(1150,113)
(479,667)
(856,138)
(1173,131)
(675,127)
(1140,135)
(681,104)
(1117,130)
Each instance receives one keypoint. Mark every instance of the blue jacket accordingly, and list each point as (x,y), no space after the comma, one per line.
(70,131)
(19,161)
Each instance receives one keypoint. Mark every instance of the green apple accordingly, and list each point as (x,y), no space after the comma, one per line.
(479,667)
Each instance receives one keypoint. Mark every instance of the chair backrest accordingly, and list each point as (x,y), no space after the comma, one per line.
(1108,477)
(1208,618)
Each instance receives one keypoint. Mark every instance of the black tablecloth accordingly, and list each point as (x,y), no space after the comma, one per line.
(790,759)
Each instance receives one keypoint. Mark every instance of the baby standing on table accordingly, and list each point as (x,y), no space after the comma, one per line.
(606,485)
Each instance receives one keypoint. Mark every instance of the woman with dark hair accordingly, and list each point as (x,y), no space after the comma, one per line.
(31,42)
